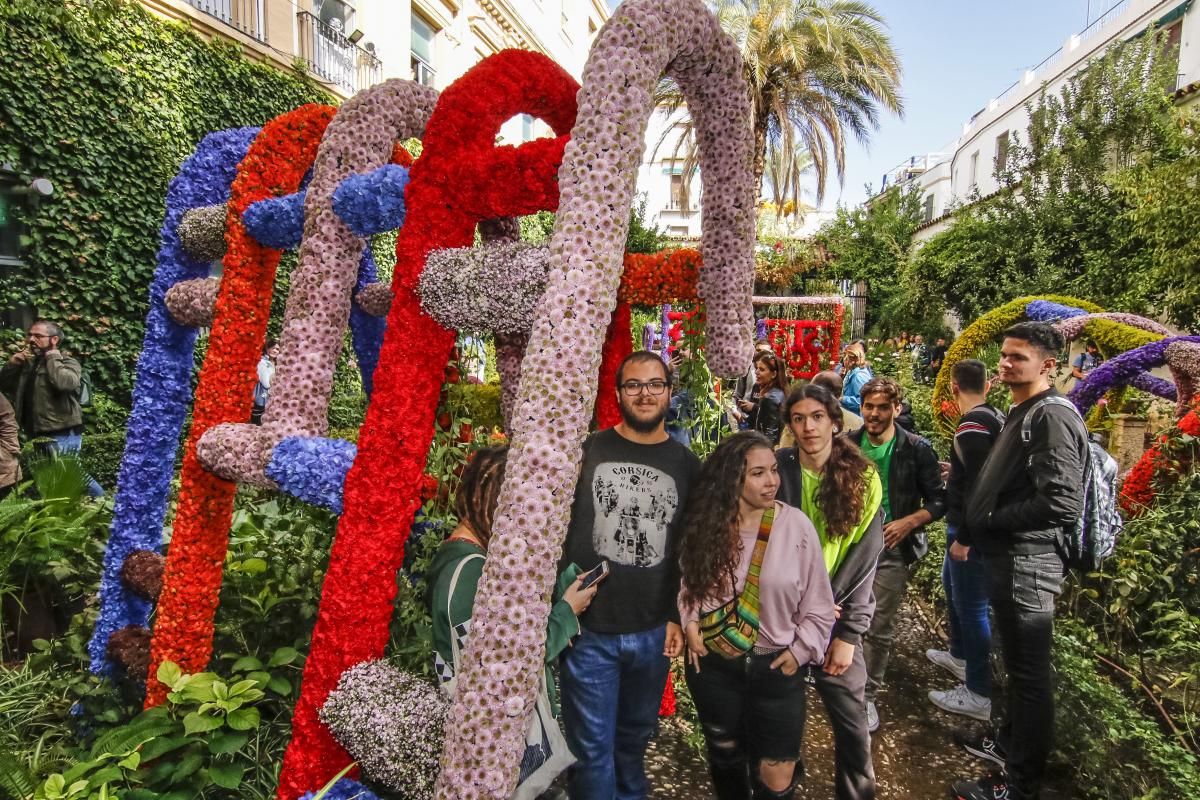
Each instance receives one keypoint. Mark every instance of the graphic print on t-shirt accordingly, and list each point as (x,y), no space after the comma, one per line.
(634,506)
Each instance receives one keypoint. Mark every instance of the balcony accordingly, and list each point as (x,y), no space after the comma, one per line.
(333,58)
(243,15)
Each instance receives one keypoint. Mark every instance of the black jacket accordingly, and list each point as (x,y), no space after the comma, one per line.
(765,417)
(1025,497)
(855,577)
(914,482)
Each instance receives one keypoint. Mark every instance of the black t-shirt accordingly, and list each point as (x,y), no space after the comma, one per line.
(977,431)
(628,504)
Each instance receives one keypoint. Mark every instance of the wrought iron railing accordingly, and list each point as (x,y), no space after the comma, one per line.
(333,58)
(244,15)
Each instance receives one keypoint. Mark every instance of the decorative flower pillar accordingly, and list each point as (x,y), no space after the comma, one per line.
(644,39)
(163,386)
(274,165)
(460,179)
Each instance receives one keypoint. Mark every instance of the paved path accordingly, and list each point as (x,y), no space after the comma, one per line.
(915,758)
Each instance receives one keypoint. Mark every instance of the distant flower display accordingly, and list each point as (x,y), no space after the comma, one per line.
(161,390)
(1121,370)
(668,276)
(987,329)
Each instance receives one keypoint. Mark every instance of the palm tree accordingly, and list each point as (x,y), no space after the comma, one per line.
(783,170)
(817,69)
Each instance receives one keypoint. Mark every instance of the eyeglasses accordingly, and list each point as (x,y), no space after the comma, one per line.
(637,387)
(39,336)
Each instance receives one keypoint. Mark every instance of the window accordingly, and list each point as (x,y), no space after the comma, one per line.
(974,175)
(676,201)
(422,45)
(1001,152)
(927,213)
(526,128)
(337,14)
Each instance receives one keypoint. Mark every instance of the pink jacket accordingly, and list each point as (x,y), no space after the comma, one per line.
(795,600)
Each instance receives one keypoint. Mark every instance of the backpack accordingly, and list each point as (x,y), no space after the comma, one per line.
(1093,537)
(85,388)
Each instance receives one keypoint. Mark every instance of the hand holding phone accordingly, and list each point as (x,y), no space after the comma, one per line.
(594,575)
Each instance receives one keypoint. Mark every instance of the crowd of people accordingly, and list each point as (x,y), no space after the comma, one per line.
(780,561)
(769,567)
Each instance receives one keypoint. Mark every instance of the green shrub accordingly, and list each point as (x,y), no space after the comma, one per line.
(101,456)
(479,402)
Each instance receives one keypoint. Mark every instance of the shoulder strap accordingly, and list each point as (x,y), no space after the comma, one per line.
(449,598)
(1053,400)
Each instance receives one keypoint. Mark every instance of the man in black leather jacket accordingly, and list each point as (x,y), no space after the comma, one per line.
(913,496)
(1027,494)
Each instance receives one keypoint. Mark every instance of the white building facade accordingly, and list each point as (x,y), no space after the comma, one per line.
(966,167)
(348,45)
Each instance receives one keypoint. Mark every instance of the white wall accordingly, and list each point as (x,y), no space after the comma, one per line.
(654,180)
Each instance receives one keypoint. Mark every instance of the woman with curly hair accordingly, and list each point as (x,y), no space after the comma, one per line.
(757,610)
(836,486)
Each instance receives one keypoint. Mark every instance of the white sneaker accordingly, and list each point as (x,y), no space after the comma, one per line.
(872,717)
(961,700)
(955,666)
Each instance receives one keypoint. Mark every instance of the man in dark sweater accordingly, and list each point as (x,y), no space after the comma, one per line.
(969,656)
(1026,495)
(913,497)
(628,502)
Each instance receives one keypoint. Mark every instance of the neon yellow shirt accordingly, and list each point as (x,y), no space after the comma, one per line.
(835,549)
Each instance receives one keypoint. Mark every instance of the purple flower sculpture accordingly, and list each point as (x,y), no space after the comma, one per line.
(1046,311)
(1122,371)
(344,789)
(277,222)
(162,390)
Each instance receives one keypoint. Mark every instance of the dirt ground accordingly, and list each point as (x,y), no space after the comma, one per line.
(915,755)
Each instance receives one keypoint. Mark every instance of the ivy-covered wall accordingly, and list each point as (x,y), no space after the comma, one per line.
(106,101)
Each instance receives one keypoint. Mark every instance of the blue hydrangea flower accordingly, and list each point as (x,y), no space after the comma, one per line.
(374,202)
(312,469)
(277,222)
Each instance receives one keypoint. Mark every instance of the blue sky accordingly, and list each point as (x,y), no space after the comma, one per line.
(956,55)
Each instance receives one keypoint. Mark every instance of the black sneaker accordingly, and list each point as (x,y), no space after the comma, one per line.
(990,788)
(984,747)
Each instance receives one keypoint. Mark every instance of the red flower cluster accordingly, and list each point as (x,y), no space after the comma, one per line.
(617,345)
(274,166)
(1138,490)
(460,179)
(668,276)
(805,345)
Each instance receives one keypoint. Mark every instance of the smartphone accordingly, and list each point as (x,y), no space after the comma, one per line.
(594,575)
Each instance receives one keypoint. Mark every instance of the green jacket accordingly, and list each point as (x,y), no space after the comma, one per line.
(562,626)
(53,405)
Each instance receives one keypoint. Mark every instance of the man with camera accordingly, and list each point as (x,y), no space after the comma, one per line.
(44,385)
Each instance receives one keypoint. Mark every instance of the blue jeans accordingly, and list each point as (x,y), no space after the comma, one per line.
(612,685)
(967,608)
(70,444)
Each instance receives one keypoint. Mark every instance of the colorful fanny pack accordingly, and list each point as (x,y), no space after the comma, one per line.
(732,629)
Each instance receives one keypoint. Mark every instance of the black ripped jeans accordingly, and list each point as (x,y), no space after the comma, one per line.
(1022,589)
(750,713)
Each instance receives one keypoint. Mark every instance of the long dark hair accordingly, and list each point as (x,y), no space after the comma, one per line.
(475,503)
(775,363)
(710,550)
(843,489)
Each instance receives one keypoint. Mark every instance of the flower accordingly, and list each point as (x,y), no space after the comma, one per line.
(160,390)
(494,288)
(392,724)
(1121,370)
(344,789)
(312,469)
(1137,487)
(643,39)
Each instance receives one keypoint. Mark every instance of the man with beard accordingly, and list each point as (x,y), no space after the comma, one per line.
(45,385)
(631,493)
(913,497)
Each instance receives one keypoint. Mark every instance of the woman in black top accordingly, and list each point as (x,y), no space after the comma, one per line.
(767,396)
